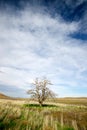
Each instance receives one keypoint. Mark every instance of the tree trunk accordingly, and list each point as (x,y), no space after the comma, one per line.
(40,103)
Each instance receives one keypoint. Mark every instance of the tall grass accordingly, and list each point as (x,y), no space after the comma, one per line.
(33,117)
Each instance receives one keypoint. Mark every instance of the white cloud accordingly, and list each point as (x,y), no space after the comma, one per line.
(33,44)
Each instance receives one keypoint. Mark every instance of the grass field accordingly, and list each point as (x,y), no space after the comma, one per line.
(28,115)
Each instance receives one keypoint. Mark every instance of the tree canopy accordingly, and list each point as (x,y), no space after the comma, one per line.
(40,90)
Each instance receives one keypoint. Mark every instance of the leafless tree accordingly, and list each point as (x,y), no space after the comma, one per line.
(40,91)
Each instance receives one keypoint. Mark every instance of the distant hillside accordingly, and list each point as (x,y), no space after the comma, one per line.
(2,96)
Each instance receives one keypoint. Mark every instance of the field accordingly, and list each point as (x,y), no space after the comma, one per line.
(60,114)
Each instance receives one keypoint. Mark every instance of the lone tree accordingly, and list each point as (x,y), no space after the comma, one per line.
(40,91)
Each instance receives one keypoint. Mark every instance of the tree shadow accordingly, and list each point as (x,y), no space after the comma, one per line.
(37,105)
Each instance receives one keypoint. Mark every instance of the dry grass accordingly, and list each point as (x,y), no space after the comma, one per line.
(24,115)
(72,101)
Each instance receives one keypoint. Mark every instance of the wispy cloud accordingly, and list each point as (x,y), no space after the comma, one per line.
(34,44)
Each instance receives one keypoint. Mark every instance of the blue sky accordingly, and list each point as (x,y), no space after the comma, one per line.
(43,38)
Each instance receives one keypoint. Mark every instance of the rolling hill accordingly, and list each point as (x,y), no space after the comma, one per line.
(2,96)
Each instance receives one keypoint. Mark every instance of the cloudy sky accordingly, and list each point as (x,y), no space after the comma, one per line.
(43,38)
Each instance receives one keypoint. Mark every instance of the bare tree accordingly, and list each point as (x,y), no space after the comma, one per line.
(40,91)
